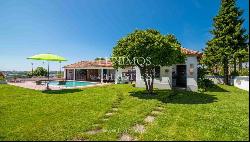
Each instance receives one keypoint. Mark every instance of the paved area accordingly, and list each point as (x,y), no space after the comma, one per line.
(32,85)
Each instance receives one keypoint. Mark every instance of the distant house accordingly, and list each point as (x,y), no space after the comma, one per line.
(179,75)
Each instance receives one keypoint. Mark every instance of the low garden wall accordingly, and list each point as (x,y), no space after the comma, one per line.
(216,79)
(241,82)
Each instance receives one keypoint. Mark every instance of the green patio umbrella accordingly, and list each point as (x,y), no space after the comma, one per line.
(47,57)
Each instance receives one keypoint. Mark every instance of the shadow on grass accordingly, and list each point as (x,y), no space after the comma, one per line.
(64,91)
(216,88)
(177,97)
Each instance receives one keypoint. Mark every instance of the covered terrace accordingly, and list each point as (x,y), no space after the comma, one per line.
(95,71)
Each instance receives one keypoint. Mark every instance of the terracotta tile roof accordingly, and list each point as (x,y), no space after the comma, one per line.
(90,64)
(191,52)
(104,63)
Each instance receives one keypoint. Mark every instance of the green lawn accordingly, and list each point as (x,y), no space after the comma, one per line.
(219,114)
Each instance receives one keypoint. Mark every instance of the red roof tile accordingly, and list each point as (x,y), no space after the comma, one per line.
(190,52)
(90,64)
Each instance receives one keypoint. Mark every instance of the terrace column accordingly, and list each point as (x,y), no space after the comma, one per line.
(64,74)
(74,74)
(102,75)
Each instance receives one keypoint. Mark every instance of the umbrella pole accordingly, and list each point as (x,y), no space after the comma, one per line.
(32,69)
(48,77)
(60,70)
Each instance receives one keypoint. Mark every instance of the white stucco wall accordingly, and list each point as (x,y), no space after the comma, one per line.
(165,80)
(216,79)
(241,82)
(70,76)
(192,77)
(139,80)
(118,74)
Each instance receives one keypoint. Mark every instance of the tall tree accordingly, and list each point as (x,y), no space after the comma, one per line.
(147,49)
(211,60)
(229,38)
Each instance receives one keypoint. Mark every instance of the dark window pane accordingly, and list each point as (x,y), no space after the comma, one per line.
(157,72)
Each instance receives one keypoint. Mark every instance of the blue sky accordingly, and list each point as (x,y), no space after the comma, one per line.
(85,29)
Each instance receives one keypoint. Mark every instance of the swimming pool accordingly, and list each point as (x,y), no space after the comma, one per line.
(71,84)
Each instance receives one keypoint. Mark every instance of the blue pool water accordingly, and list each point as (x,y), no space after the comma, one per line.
(71,83)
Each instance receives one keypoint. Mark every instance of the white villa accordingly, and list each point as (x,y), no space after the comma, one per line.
(179,75)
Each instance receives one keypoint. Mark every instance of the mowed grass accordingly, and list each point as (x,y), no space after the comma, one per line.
(219,114)
(58,115)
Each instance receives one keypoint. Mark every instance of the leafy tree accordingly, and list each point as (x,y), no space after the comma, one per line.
(211,60)
(2,77)
(39,71)
(243,56)
(147,49)
(229,38)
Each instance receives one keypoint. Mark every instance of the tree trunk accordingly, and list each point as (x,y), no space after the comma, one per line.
(151,83)
(240,64)
(216,69)
(226,79)
(143,73)
(148,79)
(235,65)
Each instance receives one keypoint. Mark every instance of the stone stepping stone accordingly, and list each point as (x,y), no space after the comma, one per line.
(77,140)
(105,119)
(149,119)
(109,114)
(126,137)
(93,132)
(139,128)
(155,112)
(114,109)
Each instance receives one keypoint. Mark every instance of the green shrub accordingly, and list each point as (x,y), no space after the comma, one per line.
(244,72)
(203,83)
(2,78)
(235,73)
(39,71)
